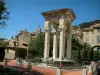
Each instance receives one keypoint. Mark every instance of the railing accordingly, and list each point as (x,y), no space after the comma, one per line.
(64,64)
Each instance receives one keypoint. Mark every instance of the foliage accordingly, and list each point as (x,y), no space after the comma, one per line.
(76,49)
(36,46)
(2,39)
(3,14)
(75,42)
(3,43)
(79,51)
(21,53)
(95,54)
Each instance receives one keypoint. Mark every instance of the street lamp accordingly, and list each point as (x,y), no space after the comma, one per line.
(27,53)
(85,53)
(28,41)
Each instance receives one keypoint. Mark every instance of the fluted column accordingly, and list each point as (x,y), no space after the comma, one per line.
(54,44)
(62,38)
(47,39)
(69,43)
(69,38)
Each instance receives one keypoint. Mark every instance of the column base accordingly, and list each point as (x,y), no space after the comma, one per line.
(44,60)
(63,60)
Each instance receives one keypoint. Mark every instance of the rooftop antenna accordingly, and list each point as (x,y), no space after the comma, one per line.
(29,26)
(4,37)
(16,32)
(28,43)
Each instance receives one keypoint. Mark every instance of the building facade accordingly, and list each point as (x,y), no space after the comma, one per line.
(91,35)
(21,41)
(23,38)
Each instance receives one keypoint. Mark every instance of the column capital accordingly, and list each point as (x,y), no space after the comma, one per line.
(54,31)
(47,25)
(47,30)
(62,23)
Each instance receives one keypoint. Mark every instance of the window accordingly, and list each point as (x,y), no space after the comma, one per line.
(24,44)
(98,39)
(98,30)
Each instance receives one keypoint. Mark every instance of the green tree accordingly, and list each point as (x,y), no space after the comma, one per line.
(76,49)
(36,46)
(3,14)
(3,43)
(95,54)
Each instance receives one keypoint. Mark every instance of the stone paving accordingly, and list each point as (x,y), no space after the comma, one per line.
(47,71)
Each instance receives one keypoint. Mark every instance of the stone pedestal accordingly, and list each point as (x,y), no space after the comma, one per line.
(90,69)
(5,61)
(84,71)
(59,72)
(93,64)
(29,67)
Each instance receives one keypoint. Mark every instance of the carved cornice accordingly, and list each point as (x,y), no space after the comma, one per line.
(59,12)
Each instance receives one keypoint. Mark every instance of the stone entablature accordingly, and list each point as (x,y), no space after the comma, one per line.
(58,13)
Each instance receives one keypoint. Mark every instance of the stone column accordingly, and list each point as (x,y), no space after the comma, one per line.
(69,46)
(62,39)
(54,44)
(47,39)
(69,39)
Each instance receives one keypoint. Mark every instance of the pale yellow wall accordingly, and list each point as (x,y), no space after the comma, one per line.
(9,54)
(91,38)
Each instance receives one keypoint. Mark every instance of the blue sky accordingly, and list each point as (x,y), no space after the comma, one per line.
(22,12)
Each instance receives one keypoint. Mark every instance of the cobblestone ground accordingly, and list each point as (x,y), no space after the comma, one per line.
(47,71)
